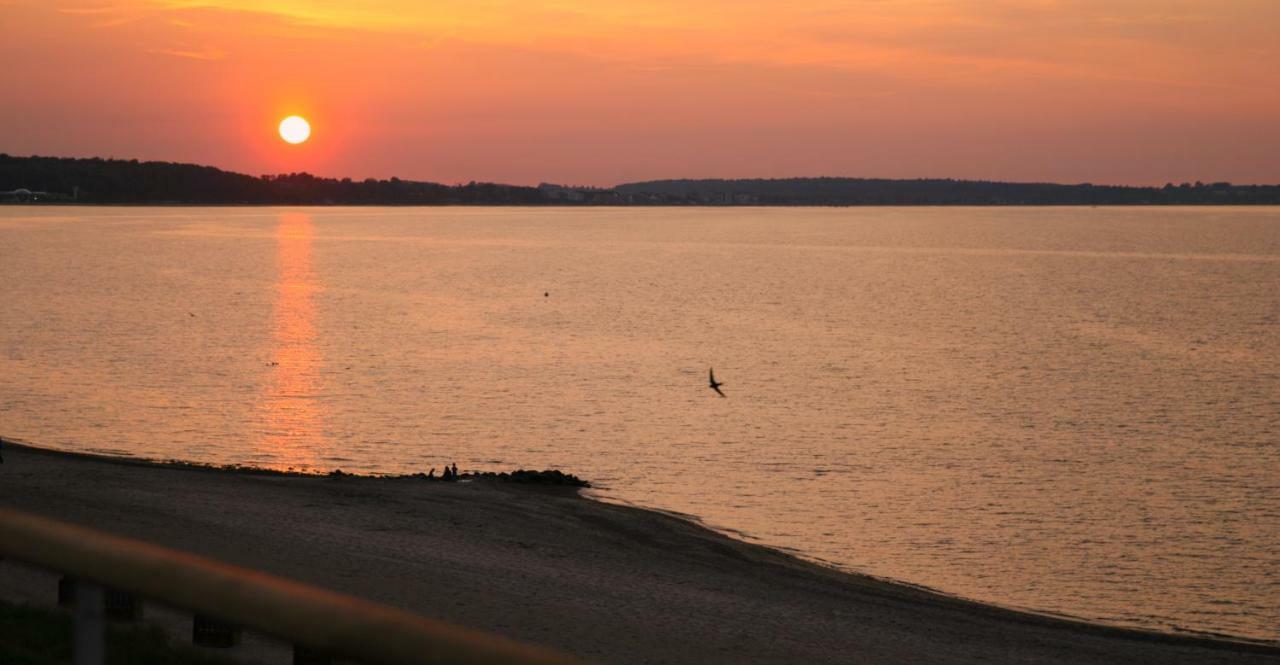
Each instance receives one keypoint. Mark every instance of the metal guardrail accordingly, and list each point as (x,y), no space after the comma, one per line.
(329,622)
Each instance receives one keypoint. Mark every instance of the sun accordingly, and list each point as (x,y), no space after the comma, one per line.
(295,129)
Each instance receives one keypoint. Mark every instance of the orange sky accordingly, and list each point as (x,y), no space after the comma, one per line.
(602,91)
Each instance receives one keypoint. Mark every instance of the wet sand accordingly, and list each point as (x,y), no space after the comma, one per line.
(610,583)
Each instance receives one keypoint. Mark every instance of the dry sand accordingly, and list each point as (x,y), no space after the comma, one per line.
(609,583)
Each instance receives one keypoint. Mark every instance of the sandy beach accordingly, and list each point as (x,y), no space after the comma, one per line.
(609,583)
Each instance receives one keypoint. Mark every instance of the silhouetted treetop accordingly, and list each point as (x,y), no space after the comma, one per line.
(97,180)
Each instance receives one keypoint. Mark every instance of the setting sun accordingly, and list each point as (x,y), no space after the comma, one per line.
(295,129)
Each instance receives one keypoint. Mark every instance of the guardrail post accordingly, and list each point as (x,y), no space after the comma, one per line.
(90,624)
(210,632)
(121,605)
(67,591)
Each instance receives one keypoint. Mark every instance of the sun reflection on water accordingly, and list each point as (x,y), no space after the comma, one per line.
(292,417)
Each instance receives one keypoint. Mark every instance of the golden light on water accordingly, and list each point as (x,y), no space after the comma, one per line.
(295,129)
(292,418)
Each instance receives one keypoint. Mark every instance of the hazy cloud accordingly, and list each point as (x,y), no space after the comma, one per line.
(202,54)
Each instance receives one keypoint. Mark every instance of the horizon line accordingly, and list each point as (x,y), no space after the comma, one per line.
(663,179)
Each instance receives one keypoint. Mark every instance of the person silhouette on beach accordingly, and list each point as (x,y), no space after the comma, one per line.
(447,475)
(432,473)
(455,470)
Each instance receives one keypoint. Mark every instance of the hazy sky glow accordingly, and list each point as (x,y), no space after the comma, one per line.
(603,91)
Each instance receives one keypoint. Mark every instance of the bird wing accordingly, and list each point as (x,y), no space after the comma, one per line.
(712,373)
(717,389)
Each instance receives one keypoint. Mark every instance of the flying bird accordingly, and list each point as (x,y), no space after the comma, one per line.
(715,385)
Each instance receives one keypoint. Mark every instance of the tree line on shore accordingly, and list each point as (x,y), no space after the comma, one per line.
(118,181)
(879,191)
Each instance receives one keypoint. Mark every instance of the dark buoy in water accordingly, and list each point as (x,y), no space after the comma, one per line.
(546,294)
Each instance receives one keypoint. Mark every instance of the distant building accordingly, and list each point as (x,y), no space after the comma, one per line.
(23,195)
(552,192)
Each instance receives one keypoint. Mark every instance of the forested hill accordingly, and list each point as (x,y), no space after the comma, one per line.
(867,191)
(97,180)
(112,181)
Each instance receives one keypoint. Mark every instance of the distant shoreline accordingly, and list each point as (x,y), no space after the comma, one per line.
(119,181)
(549,206)
(611,583)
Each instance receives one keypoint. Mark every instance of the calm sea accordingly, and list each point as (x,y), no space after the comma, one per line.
(1068,410)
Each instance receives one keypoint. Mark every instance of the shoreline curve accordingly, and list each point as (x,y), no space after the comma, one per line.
(603,580)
